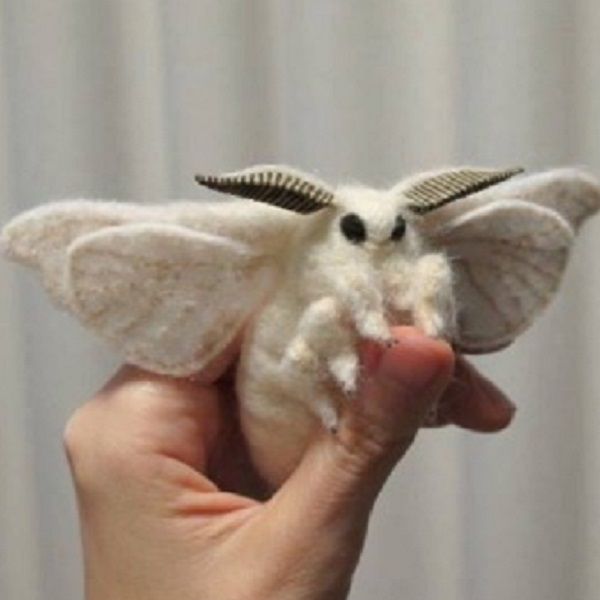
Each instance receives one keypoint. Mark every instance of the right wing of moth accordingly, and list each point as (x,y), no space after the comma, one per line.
(167,297)
(41,237)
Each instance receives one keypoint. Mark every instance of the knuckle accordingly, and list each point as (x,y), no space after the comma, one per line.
(92,457)
(80,441)
(364,442)
(77,432)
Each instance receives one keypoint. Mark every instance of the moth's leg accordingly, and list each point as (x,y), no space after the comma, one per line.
(324,408)
(433,303)
(344,367)
(363,299)
(309,387)
(326,331)
(332,338)
(299,358)
(398,276)
(302,354)
(301,369)
(301,374)
(323,338)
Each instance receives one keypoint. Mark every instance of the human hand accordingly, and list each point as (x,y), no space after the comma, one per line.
(171,509)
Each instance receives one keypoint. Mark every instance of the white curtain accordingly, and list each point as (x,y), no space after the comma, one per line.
(128,99)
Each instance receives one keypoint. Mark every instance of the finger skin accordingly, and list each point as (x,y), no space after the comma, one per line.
(149,438)
(347,470)
(155,525)
(473,402)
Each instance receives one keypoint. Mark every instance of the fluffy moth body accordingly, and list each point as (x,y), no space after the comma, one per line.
(352,274)
(305,272)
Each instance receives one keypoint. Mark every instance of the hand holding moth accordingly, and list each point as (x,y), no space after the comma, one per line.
(170,505)
(304,274)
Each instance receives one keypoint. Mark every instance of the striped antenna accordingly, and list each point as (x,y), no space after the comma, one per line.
(277,185)
(437,190)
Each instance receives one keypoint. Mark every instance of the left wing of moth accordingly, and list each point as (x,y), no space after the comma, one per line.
(508,258)
(167,297)
(509,247)
(573,194)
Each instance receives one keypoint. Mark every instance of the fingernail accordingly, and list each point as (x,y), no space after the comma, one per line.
(495,396)
(464,375)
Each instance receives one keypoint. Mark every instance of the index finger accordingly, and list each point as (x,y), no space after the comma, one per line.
(472,401)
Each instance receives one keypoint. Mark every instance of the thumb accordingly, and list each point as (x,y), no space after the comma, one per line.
(343,473)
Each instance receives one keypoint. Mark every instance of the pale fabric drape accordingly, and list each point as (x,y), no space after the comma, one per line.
(129,98)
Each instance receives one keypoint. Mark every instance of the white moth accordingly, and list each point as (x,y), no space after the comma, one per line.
(305,273)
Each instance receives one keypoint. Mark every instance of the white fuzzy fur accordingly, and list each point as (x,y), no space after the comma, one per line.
(170,286)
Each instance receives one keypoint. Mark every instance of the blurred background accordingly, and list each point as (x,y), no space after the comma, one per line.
(127,99)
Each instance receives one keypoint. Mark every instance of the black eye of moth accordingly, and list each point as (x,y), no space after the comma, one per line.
(399,229)
(353,228)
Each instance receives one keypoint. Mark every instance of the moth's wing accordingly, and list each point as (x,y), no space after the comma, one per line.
(510,245)
(267,229)
(169,298)
(40,238)
(572,193)
(170,284)
(508,257)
